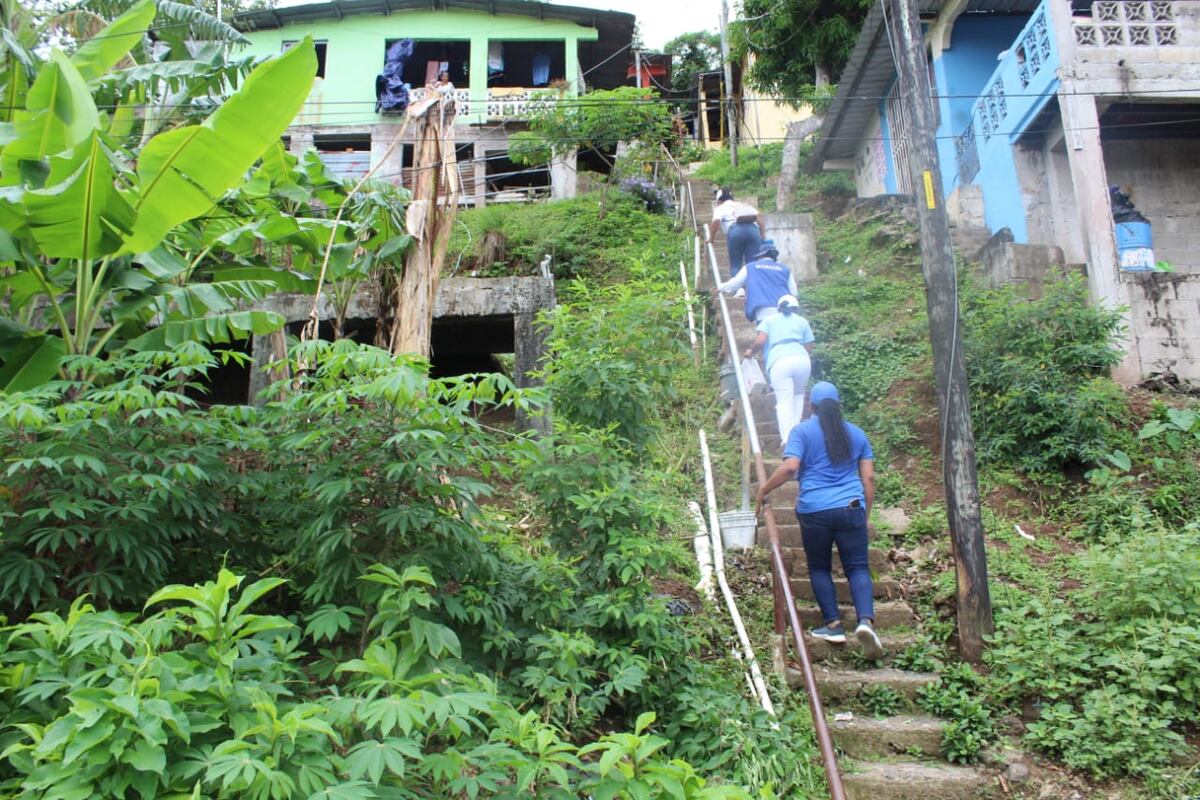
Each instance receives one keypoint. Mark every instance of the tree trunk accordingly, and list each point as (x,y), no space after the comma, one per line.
(789,175)
(429,219)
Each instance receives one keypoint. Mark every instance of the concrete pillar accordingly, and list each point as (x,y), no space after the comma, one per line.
(1085,156)
(793,235)
(562,176)
(479,175)
(265,349)
(478,80)
(529,346)
(301,139)
(391,164)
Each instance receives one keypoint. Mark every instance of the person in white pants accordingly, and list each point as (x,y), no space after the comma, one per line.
(788,339)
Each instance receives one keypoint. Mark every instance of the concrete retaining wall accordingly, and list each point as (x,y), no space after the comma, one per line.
(793,235)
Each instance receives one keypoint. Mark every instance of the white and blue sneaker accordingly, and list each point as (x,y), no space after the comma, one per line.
(872,648)
(836,635)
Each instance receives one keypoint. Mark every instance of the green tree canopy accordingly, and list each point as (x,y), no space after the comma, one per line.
(797,44)
(695,52)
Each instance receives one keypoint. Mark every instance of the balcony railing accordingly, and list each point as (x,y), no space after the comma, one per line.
(1024,78)
(966,152)
(462,99)
(1128,23)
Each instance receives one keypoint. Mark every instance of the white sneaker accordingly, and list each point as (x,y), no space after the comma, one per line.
(869,640)
(740,293)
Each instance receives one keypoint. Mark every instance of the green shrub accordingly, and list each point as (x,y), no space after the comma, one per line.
(1038,372)
(581,240)
(1116,665)
(958,697)
(613,354)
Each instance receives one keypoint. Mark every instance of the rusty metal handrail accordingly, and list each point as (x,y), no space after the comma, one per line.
(785,601)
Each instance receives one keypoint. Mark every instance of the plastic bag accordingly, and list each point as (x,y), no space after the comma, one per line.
(752,375)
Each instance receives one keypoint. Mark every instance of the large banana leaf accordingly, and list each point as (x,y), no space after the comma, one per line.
(183,172)
(80,214)
(215,328)
(31,362)
(59,114)
(100,53)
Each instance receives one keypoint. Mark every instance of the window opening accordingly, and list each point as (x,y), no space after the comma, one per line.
(431,57)
(525,64)
(321,46)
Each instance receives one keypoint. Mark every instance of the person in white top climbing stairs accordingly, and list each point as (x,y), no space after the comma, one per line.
(743,227)
(788,339)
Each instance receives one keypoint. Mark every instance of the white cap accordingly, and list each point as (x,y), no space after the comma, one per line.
(789,300)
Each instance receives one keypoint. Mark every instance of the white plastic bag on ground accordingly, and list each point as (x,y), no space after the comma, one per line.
(752,374)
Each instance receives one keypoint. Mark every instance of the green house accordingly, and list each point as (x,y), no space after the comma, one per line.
(500,56)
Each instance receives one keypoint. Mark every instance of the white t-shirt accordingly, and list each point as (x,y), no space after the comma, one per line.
(727,213)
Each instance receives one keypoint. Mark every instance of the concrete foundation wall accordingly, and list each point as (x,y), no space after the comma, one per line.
(793,235)
(514,301)
(1162,176)
(1166,323)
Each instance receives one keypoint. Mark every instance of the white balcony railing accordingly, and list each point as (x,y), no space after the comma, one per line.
(462,99)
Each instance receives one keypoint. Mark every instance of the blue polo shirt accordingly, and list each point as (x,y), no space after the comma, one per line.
(786,336)
(823,484)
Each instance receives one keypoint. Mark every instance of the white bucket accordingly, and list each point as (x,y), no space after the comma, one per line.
(738,529)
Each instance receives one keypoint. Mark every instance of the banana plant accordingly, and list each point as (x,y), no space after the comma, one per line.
(83,263)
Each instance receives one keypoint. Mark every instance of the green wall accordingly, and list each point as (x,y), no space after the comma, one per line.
(354,55)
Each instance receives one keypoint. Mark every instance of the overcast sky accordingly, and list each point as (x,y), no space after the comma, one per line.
(662,20)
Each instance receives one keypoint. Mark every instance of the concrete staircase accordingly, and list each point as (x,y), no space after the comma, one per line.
(895,758)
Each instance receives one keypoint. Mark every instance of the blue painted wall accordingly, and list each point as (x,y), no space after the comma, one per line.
(961,74)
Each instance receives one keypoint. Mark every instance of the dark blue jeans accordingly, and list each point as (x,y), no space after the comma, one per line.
(847,528)
(744,241)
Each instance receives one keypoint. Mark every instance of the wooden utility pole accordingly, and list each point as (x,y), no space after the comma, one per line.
(941,298)
(731,114)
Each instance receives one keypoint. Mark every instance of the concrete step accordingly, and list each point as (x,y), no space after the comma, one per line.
(870,737)
(894,642)
(839,685)
(914,780)
(888,614)
(884,589)
(796,562)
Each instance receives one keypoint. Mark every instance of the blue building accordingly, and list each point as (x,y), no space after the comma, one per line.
(1041,105)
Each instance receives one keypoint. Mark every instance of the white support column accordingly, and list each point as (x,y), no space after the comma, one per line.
(1085,155)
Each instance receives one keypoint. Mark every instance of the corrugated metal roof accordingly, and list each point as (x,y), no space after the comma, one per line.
(278,17)
(869,73)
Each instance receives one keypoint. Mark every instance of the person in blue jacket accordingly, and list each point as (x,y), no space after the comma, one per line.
(788,339)
(765,280)
(834,463)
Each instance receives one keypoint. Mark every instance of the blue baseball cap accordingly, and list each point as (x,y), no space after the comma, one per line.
(767,249)
(824,391)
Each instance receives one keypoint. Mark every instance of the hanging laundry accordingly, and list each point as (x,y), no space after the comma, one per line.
(495,58)
(391,92)
(541,69)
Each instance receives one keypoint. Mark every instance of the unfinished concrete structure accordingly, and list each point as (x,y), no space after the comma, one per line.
(474,319)
(1042,105)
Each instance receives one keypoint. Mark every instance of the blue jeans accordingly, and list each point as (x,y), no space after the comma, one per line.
(743,240)
(847,528)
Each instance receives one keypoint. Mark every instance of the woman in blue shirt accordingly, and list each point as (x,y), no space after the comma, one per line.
(835,466)
(788,339)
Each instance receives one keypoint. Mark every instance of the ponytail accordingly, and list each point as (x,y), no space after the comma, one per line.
(833,427)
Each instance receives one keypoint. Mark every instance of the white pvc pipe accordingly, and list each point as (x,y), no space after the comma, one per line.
(703,553)
(714,529)
(687,298)
(731,337)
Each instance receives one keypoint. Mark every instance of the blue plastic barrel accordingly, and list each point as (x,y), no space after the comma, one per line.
(1135,246)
